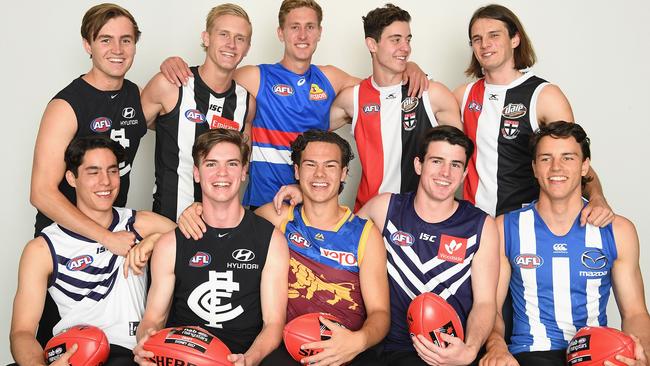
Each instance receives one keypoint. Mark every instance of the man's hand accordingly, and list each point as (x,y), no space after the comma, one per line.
(119,242)
(639,355)
(343,346)
(176,71)
(498,356)
(597,212)
(190,222)
(417,79)
(455,353)
(138,256)
(237,359)
(289,192)
(140,355)
(64,360)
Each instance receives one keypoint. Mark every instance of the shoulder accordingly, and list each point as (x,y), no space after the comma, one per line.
(459,92)
(623,226)
(37,252)
(338,78)
(268,213)
(248,71)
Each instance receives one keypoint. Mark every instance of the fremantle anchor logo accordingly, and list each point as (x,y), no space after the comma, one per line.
(206,299)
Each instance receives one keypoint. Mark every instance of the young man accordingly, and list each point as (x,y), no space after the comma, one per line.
(386,122)
(418,229)
(337,263)
(211,99)
(241,261)
(292,96)
(501,110)
(560,273)
(80,274)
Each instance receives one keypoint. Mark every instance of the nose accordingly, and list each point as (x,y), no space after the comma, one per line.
(302,33)
(231,42)
(555,164)
(320,171)
(116,47)
(445,170)
(104,179)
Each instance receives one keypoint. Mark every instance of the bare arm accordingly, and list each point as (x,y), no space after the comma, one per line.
(248,77)
(274,297)
(417,79)
(339,78)
(274,216)
(248,124)
(158,97)
(459,93)
(150,226)
(376,209)
(628,283)
(444,105)
(58,127)
(34,269)
(342,110)
(176,70)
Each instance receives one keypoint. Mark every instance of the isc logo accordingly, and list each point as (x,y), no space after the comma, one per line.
(282,90)
(200,259)
(528,261)
(402,239)
(371,108)
(194,115)
(298,240)
(427,237)
(343,258)
(79,263)
(100,124)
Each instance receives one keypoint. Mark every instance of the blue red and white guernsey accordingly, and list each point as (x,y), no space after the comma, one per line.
(500,120)
(387,125)
(559,283)
(324,267)
(428,257)
(87,284)
(288,104)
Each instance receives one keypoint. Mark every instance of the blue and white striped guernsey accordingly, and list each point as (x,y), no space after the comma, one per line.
(559,284)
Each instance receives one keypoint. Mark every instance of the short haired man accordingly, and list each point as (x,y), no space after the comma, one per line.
(100,102)
(82,277)
(386,122)
(340,251)
(211,99)
(560,273)
(501,110)
(251,314)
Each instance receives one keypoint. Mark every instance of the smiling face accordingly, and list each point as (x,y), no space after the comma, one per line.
(559,167)
(320,172)
(393,49)
(97,182)
(441,171)
(113,50)
(228,41)
(300,34)
(220,173)
(491,44)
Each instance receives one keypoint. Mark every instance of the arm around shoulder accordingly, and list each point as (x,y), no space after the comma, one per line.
(339,78)
(249,77)
(342,110)
(376,209)
(444,105)
(553,105)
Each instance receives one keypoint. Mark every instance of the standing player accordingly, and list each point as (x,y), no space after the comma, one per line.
(560,273)
(211,99)
(101,102)
(386,122)
(241,261)
(82,277)
(501,110)
(337,263)
(292,96)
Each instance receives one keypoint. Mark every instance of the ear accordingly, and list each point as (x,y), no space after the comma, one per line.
(344,174)
(244,173)
(87,47)
(585,167)
(515,40)
(195,173)
(371,44)
(534,170)
(280,34)
(70,178)
(417,165)
(295,172)
(205,38)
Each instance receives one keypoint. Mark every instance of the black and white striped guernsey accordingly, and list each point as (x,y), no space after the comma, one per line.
(197,110)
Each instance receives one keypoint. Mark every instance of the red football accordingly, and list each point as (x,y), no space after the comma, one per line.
(92,346)
(429,315)
(187,345)
(595,345)
(305,329)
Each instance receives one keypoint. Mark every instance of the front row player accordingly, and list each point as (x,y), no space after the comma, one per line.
(232,281)
(558,272)
(82,276)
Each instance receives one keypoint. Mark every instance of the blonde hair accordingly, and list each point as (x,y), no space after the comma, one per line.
(225,9)
(288,5)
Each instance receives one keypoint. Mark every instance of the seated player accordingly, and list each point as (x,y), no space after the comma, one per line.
(418,229)
(246,270)
(560,273)
(81,275)
(334,251)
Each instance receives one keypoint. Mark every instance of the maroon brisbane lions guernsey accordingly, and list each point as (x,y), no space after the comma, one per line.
(387,125)
(500,120)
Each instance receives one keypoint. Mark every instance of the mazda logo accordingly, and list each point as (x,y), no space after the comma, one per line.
(243,255)
(593,259)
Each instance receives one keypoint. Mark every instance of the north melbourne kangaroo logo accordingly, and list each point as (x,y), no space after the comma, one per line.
(206,301)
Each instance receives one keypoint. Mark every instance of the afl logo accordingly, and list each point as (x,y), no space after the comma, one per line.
(513,110)
(402,239)
(101,124)
(282,90)
(194,116)
(79,263)
(371,108)
(528,261)
(200,259)
(298,240)
(409,104)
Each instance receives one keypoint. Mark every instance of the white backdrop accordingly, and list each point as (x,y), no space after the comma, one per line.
(595,51)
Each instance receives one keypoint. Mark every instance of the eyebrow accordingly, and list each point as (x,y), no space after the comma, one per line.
(326,161)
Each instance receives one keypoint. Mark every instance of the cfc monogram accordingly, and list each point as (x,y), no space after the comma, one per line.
(206,299)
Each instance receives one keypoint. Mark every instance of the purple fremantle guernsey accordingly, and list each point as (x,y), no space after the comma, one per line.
(428,257)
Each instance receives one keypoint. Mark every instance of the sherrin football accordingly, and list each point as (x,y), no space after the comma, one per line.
(306,328)
(92,346)
(187,345)
(429,315)
(595,345)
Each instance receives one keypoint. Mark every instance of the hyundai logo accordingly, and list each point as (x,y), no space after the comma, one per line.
(243,255)
(128,112)
(593,259)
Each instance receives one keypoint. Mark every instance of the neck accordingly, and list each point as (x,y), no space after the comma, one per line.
(102,81)
(222,214)
(102,218)
(431,210)
(296,66)
(215,77)
(323,215)
(559,214)
(502,76)
(383,77)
